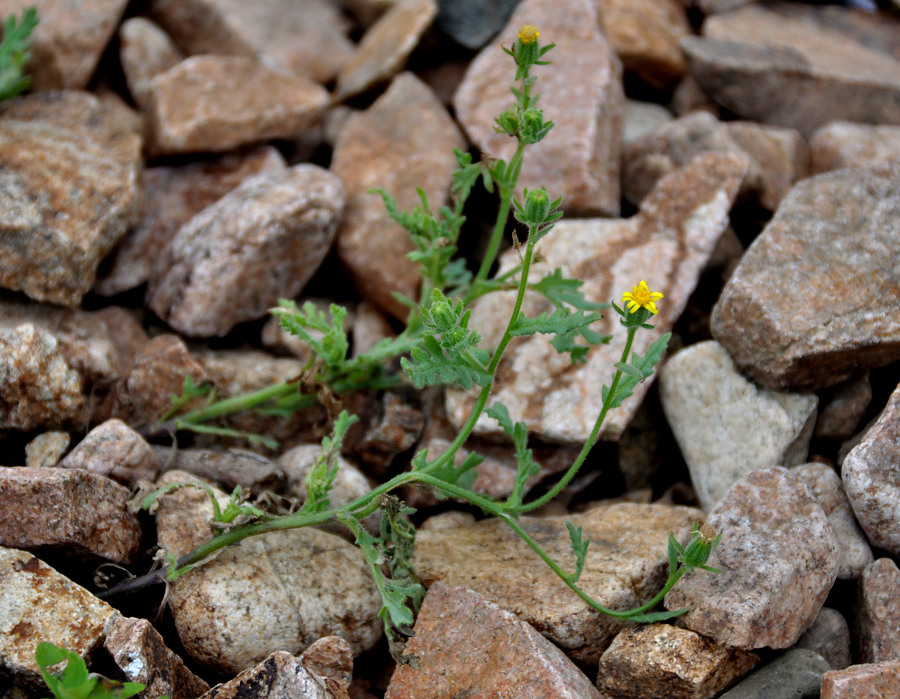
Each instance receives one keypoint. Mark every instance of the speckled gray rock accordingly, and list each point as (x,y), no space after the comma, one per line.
(828,251)
(780,65)
(385,46)
(145,51)
(663,660)
(216,103)
(279,676)
(579,159)
(69,190)
(826,486)
(868,681)
(303,37)
(38,604)
(877,620)
(277,591)
(38,387)
(842,144)
(795,675)
(829,636)
(259,243)
(872,478)
(114,449)
(403,141)
(725,425)
(667,244)
(467,646)
(842,407)
(625,567)
(229,468)
(175,194)
(74,513)
(779,558)
(643,118)
(473,23)
(140,653)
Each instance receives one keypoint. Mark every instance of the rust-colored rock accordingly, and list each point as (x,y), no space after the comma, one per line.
(869,681)
(877,622)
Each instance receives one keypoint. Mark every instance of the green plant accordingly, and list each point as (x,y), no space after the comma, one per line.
(438,347)
(75,682)
(15,50)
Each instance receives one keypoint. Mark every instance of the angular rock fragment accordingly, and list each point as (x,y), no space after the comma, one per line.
(829,636)
(827,488)
(216,103)
(725,425)
(74,513)
(38,604)
(797,673)
(663,660)
(842,407)
(281,590)
(466,645)
(642,119)
(69,190)
(140,653)
(471,23)
(626,565)
(779,558)
(842,144)
(46,449)
(877,622)
(384,48)
(667,244)
(259,243)
(229,468)
(279,676)
(579,159)
(871,475)
(330,657)
(869,681)
(403,141)
(813,301)
(115,450)
(145,51)
(781,65)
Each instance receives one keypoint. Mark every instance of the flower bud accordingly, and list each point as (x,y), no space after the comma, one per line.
(508,122)
(537,205)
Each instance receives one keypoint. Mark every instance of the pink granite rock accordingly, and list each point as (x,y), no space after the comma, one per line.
(779,558)
(216,103)
(827,251)
(332,657)
(581,92)
(842,407)
(877,621)
(279,676)
(403,141)
(869,681)
(145,51)
(842,144)
(115,450)
(466,645)
(259,243)
(667,244)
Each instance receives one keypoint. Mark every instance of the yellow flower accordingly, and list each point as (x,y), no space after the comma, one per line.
(528,34)
(641,297)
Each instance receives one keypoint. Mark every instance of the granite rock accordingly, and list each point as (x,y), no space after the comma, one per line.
(579,159)
(725,425)
(842,408)
(229,468)
(75,513)
(877,620)
(466,645)
(46,449)
(145,51)
(403,141)
(115,450)
(829,636)
(872,478)
(832,238)
(779,558)
(796,674)
(625,567)
(330,657)
(868,681)
(259,243)
(279,676)
(642,119)
(667,244)
(842,144)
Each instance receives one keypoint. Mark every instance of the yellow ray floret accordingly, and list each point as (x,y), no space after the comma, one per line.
(528,34)
(640,296)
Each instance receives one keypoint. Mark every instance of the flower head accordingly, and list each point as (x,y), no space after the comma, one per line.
(640,296)
(528,34)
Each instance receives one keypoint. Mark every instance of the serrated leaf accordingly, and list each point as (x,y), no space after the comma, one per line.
(579,548)
(560,322)
(562,290)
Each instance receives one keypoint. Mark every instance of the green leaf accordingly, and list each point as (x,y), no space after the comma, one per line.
(15,52)
(560,322)
(320,478)
(329,342)
(561,290)
(463,475)
(526,465)
(654,617)
(640,369)
(579,548)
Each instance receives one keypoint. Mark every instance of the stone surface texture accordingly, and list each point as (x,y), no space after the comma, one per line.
(579,159)
(827,488)
(277,591)
(403,141)
(780,64)
(471,23)
(467,646)
(871,475)
(330,657)
(279,676)
(115,450)
(797,673)
(626,566)
(833,237)
(69,190)
(667,244)
(46,449)
(216,103)
(38,604)
(779,558)
(877,620)
(842,408)
(660,660)
(259,243)
(386,45)
(145,51)
(829,636)
(725,425)
(842,144)
(867,681)
(229,468)
(140,653)
(75,513)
